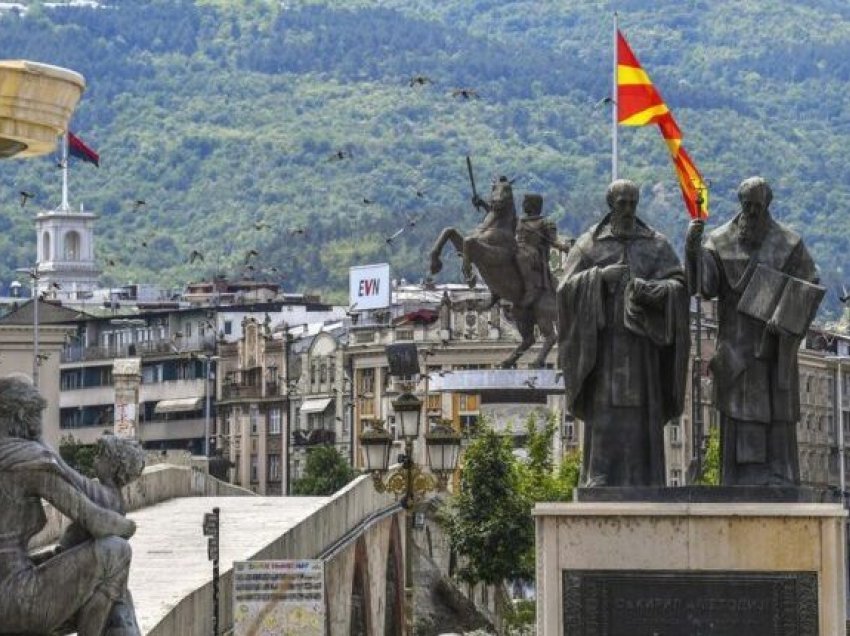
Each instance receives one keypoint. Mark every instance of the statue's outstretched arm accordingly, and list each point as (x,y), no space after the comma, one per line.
(71,502)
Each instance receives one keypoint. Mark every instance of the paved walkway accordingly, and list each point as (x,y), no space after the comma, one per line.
(170,551)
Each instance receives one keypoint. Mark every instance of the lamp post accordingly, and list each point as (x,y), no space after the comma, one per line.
(409,480)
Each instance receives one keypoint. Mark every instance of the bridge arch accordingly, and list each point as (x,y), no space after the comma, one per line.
(360,622)
(394,584)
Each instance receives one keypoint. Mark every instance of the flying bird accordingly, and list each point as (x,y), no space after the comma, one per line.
(261,225)
(24,196)
(420,80)
(297,230)
(843,296)
(339,155)
(531,382)
(465,93)
(420,193)
(398,233)
(411,220)
(137,204)
(55,285)
(250,254)
(367,201)
(605,100)
(195,256)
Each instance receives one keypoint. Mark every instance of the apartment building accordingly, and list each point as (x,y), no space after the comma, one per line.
(253,406)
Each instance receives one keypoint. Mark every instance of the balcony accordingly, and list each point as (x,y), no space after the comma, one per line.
(315,437)
(159,430)
(239,391)
(148,348)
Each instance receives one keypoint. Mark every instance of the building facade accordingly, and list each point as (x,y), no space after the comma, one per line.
(253,407)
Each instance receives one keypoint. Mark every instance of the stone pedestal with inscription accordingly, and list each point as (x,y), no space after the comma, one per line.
(690,569)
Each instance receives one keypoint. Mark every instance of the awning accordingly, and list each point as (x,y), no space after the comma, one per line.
(315,406)
(179,405)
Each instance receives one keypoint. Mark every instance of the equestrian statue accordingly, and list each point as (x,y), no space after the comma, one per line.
(512,257)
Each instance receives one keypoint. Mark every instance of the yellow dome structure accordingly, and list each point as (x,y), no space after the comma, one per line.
(36,103)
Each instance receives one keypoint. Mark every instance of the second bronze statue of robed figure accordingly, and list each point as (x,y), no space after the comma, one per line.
(624,343)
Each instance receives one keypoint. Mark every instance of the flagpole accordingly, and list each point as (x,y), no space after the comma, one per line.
(614,98)
(65,205)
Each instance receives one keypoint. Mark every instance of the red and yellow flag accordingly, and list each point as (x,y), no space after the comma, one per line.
(640,104)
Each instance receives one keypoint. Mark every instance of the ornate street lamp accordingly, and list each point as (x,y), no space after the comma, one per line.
(410,480)
(442,444)
(408,410)
(376,443)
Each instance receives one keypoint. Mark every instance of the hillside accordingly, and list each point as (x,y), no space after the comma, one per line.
(223,116)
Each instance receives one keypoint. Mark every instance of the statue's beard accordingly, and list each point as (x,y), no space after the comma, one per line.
(751,231)
(622,224)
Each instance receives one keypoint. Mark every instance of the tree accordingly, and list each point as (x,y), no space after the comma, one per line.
(326,472)
(489,520)
(711,462)
(78,456)
(539,481)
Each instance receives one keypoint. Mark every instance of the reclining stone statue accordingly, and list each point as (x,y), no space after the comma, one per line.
(82,586)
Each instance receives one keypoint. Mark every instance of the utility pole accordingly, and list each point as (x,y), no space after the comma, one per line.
(211,530)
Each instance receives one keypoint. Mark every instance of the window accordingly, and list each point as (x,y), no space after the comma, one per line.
(71,247)
(367,381)
(255,468)
(675,477)
(332,372)
(225,422)
(367,406)
(467,402)
(253,418)
(237,470)
(274,421)
(315,421)
(675,434)
(228,327)
(404,334)
(273,463)
(70,380)
(569,429)
(468,425)
(323,373)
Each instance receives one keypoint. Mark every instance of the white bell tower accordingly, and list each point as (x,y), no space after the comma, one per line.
(65,247)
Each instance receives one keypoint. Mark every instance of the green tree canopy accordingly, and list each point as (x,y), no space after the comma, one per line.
(326,472)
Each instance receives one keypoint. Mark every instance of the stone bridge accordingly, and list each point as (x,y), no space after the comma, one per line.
(358,533)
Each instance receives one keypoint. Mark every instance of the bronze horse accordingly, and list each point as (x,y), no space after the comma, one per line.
(491,247)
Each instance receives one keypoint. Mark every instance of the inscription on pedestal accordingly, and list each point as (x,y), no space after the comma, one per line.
(674,603)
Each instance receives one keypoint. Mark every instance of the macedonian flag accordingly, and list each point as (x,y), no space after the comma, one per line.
(639,104)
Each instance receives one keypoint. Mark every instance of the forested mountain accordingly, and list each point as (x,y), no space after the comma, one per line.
(224,116)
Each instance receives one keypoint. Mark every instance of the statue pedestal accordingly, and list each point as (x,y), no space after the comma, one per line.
(690,569)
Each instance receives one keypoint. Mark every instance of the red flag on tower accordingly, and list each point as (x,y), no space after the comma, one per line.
(78,149)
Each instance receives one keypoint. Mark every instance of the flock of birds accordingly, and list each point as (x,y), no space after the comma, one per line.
(249,261)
